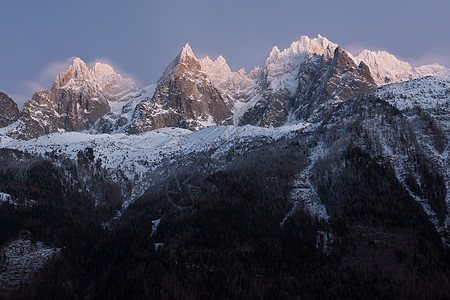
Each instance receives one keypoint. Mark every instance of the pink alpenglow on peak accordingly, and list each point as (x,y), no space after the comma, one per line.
(101,75)
(386,68)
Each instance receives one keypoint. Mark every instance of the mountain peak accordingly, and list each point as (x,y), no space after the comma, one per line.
(101,69)
(220,59)
(287,61)
(297,50)
(186,52)
(78,62)
(386,68)
(319,45)
(9,112)
(185,57)
(217,69)
(100,75)
(274,53)
(78,70)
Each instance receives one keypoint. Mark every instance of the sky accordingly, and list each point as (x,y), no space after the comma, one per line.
(139,38)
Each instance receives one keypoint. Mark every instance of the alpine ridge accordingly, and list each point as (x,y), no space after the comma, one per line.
(300,83)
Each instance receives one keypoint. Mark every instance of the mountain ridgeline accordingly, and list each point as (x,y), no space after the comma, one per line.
(317,175)
(300,83)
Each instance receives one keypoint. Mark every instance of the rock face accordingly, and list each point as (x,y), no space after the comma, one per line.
(185,97)
(295,84)
(335,79)
(301,83)
(78,98)
(304,81)
(9,112)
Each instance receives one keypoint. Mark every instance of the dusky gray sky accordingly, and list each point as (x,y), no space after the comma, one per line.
(141,37)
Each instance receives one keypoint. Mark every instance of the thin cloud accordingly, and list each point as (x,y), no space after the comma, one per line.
(27,88)
(431,58)
(23,91)
(354,48)
(357,47)
(48,74)
(116,68)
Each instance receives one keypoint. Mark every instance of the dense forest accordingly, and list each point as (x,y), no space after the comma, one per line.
(220,234)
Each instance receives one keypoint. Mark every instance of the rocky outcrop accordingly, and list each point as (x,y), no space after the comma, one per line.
(185,97)
(79,97)
(336,78)
(304,81)
(9,112)
(295,84)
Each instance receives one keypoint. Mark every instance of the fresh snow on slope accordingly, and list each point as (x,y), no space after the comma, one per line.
(303,191)
(122,112)
(426,93)
(432,96)
(136,155)
(21,261)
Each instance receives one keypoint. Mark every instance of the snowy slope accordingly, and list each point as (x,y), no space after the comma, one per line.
(123,113)
(137,155)
(426,103)
(429,93)
(21,262)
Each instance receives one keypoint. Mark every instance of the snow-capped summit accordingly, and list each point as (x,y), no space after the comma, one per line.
(432,70)
(112,84)
(386,68)
(186,52)
(101,77)
(298,83)
(319,45)
(101,71)
(215,69)
(302,82)
(280,64)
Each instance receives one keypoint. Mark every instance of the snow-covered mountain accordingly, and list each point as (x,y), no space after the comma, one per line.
(78,98)
(425,102)
(301,82)
(311,154)
(184,97)
(300,92)
(293,85)
(386,68)
(403,125)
